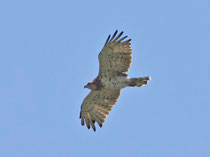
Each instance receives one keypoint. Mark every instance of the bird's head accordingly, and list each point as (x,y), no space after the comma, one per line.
(91,86)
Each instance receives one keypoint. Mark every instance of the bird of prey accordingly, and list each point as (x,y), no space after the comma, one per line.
(114,61)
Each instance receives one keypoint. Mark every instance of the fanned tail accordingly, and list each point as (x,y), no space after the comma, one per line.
(138,82)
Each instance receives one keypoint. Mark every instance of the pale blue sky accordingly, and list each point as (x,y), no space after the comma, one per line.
(49,50)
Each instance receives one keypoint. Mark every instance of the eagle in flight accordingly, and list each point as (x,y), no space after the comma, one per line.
(114,61)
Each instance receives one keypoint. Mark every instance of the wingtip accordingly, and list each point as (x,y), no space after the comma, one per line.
(82,121)
(121,33)
(127,41)
(80,115)
(107,40)
(94,129)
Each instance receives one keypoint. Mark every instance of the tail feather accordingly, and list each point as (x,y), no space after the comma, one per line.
(138,82)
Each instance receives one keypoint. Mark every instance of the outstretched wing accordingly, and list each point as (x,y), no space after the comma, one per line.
(115,56)
(96,106)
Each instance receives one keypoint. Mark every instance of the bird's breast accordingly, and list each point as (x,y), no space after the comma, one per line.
(113,82)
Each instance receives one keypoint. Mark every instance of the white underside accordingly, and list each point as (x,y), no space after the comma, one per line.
(115,82)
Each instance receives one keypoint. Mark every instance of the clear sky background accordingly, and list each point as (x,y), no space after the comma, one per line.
(49,51)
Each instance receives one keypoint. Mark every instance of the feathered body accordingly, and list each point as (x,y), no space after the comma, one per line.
(114,61)
(100,83)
